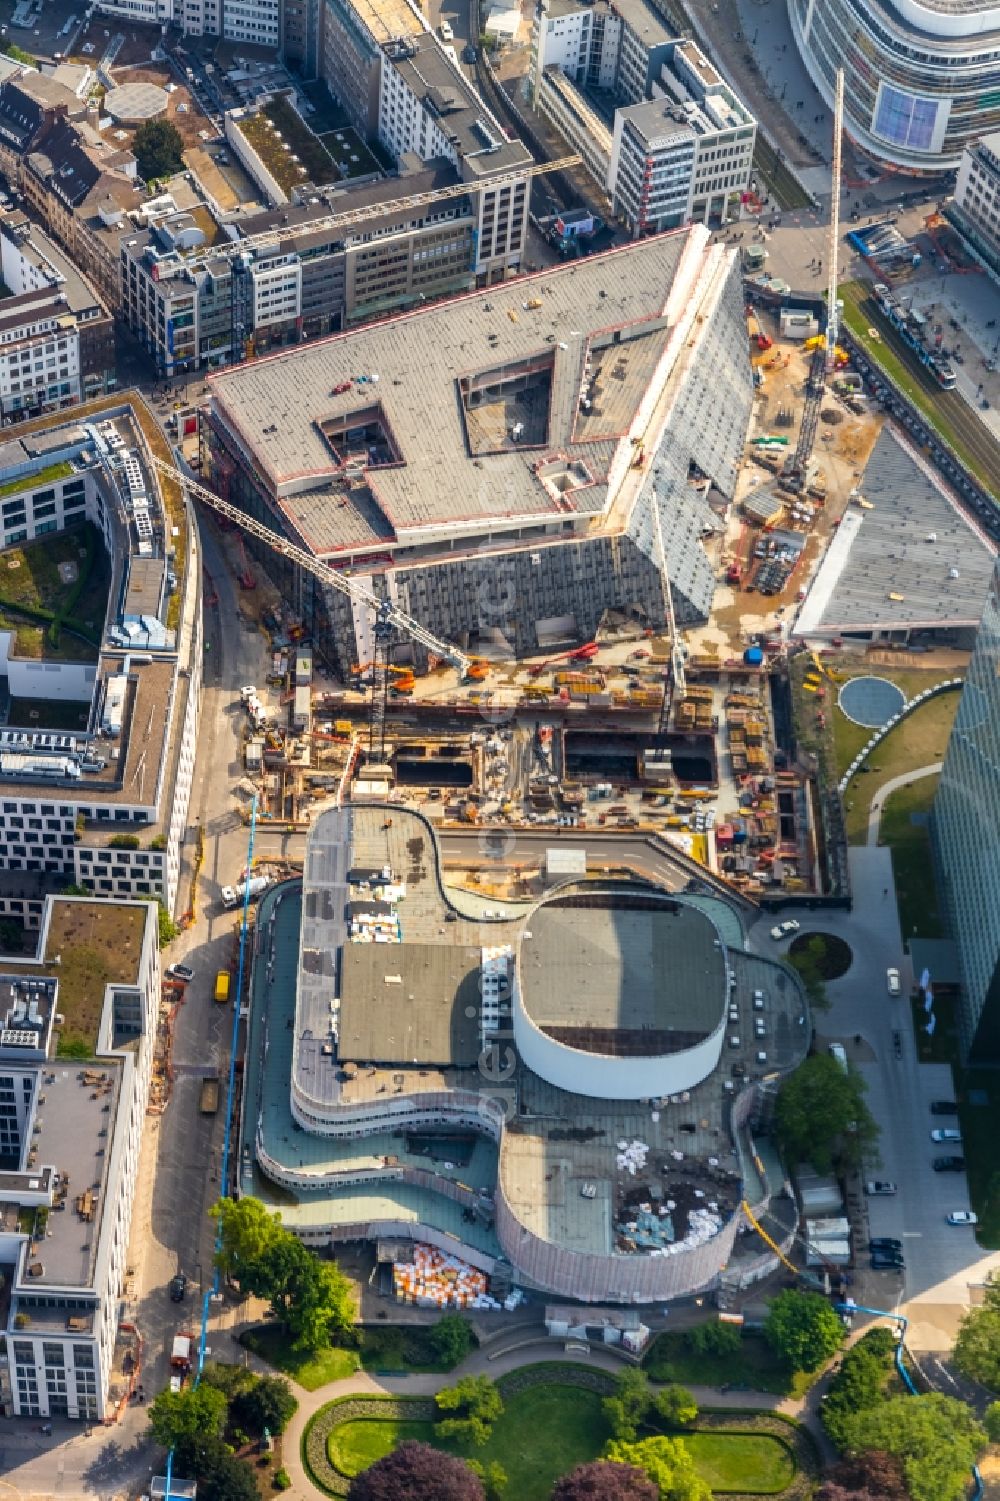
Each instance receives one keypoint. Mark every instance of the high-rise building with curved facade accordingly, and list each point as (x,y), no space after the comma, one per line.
(922,77)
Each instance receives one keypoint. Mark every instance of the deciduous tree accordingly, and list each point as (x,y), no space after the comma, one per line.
(860,1382)
(977,1348)
(311,1297)
(476,1403)
(874,1476)
(937,1438)
(220,1475)
(193,1412)
(821,1116)
(417,1472)
(267,1403)
(803,1330)
(991,1421)
(451,1339)
(605,1480)
(493,1476)
(630,1403)
(157,147)
(675,1407)
(667,1463)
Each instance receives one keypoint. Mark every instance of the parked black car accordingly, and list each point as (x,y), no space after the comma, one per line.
(948,1164)
(178,1287)
(885,1243)
(887,1261)
(944,1107)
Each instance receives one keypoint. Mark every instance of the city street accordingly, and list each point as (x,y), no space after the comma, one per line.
(942,1262)
(180,1162)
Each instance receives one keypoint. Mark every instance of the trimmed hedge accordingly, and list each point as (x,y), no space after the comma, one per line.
(799,1443)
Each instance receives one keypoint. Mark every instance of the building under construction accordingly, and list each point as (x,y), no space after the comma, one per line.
(506,466)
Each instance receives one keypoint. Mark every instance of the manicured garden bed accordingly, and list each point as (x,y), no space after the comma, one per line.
(552,1421)
(828,954)
(757,1464)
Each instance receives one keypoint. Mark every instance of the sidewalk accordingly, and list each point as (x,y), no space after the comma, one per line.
(891,786)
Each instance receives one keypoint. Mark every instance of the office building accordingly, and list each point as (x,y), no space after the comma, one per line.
(975,208)
(658,128)
(615,47)
(70,1135)
(966,831)
(396,82)
(193,309)
(254,21)
(921,77)
(550,435)
(685,154)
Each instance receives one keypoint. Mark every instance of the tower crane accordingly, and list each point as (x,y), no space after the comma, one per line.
(388,617)
(824,356)
(832,305)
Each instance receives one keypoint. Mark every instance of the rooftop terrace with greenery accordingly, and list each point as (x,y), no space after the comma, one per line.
(288,148)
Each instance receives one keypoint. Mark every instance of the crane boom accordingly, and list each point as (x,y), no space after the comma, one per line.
(355,591)
(348,217)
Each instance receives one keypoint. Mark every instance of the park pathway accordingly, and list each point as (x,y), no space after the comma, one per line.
(891,786)
(506,1353)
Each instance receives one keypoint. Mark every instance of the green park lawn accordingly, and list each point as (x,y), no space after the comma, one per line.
(355,1445)
(757,1464)
(912,866)
(544,1432)
(548,1430)
(919,740)
(310,1371)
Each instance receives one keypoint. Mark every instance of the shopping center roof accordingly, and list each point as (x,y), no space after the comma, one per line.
(436,384)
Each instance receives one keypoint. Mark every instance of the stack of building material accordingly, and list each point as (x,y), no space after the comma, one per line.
(434,1280)
(631,1155)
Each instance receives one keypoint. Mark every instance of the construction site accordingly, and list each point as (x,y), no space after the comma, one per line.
(654,573)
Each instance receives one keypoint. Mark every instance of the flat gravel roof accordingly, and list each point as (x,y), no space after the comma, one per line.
(606,309)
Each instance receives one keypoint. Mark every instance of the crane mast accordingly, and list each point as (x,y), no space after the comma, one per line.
(832,307)
(388,614)
(679,684)
(825,356)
